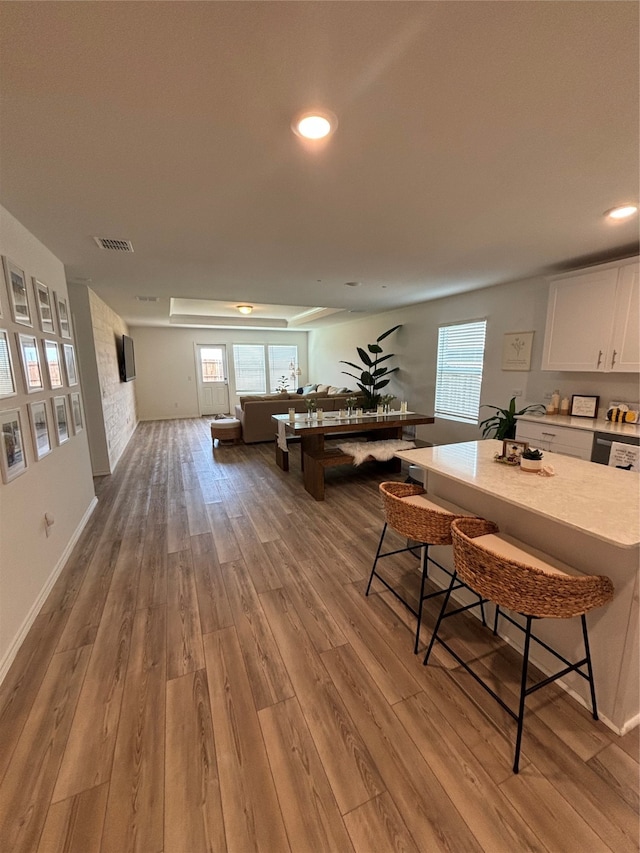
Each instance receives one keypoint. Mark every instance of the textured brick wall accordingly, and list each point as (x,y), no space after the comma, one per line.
(118,398)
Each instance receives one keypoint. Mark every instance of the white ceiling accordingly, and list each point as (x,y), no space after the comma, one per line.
(478,143)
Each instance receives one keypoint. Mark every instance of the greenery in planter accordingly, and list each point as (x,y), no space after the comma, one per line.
(373,378)
(532,453)
(502,424)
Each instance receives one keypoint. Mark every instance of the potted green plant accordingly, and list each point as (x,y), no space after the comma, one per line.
(531,459)
(502,424)
(373,378)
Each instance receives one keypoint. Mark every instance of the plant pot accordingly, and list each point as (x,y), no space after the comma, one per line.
(530,466)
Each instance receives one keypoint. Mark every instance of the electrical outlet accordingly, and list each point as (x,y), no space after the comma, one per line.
(517,392)
(547,397)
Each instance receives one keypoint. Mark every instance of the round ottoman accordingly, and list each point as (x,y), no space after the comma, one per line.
(226,429)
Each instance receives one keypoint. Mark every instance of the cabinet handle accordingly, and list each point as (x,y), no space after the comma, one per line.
(551,434)
(599,358)
(613,360)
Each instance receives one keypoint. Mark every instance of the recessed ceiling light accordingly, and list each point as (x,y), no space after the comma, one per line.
(314,124)
(622,212)
(245,309)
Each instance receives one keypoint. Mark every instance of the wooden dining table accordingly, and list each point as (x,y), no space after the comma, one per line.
(315,458)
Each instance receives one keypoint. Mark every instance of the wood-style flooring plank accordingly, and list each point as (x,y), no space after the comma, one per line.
(224,539)
(27,786)
(263,574)
(133,821)
(349,766)
(152,589)
(75,825)
(252,816)
(184,635)
(213,603)
(193,818)
(432,819)
(378,825)
(310,812)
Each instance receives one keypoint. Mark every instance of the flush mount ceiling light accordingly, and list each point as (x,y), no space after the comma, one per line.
(314,124)
(245,309)
(623,211)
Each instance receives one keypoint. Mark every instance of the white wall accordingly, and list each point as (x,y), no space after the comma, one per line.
(166,366)
(60,483)
(516,307)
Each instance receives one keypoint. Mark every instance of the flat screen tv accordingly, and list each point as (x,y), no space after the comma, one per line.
(127,360)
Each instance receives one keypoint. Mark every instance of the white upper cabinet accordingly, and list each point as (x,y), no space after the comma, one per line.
(593,320)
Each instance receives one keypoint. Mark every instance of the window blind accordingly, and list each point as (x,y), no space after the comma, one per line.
(249,364)
(280,360)
(459,371)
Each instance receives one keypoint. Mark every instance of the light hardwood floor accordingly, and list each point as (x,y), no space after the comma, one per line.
(207,675)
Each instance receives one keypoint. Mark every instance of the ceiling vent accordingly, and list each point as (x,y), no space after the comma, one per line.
(114,245)
(148,298)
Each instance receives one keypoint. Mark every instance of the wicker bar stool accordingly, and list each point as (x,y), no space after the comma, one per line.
(509,574)
(423,520)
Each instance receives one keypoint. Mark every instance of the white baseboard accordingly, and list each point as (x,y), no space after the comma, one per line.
(12,651)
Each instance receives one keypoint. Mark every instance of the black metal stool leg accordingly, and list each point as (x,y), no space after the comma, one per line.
(373,570)
(589,670)
(424,559)
(495,620)
(523,693)
(440,615)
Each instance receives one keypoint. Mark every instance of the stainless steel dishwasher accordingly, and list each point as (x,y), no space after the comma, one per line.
(602,442)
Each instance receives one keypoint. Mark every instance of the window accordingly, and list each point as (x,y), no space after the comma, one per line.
(249,363)
(283,361)
(253,376)
(459,373)
(212,364)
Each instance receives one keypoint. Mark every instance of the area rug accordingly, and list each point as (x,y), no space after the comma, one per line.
(380,450)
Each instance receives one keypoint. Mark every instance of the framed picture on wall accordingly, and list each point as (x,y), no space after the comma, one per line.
(516,350)
(28,346)
(45,306)
(13,461)
(77,418)
(64,323)
(18,296)
(70,364)
(54,365)
(40,432)
(61,419)
(7,378)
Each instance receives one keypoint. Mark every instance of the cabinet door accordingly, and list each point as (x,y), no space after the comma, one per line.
(625,343)
(580,321)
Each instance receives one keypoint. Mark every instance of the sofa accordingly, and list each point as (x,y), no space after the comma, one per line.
(254,412)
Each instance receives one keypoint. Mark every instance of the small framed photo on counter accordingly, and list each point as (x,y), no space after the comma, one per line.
(512,450)
(584,407)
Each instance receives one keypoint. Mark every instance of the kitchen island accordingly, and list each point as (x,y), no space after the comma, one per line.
(588,516)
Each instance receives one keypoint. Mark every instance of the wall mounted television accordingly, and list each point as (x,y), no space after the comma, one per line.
(127,360)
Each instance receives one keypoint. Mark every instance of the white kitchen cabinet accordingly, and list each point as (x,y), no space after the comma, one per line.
(593,320)
(556,439)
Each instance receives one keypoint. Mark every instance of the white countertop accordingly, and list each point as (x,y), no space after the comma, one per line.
(590,424)
(595,499)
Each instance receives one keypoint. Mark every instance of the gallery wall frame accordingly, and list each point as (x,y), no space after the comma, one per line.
(40,428)
(70,364)
(64,323)
(18,293)
(54,364)
(30,356)
(13,460)
(44,303)
(77,415)
(61,418)
(7,376)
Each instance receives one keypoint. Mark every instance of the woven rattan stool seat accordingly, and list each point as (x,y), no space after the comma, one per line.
(521,579)
(423,519)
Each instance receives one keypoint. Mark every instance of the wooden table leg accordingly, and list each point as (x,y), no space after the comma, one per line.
(282,457)
(313,477)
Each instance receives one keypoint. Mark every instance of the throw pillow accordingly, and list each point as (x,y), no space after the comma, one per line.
(307,389)
(333,390)
(322,389)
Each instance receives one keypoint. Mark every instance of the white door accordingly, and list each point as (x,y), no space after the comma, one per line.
(211,373)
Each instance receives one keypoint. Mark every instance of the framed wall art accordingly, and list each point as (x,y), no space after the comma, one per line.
(61,419)
(13,461)
(584,407)
(64,323)
(45,306)
(7,378)
(40,432)
(54,365)
(76,412)
(28,346)
(18,296)
(516,350)
(70,364)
